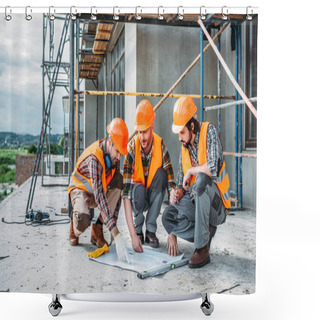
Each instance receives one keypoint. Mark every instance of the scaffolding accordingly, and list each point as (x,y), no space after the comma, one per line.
(85,63)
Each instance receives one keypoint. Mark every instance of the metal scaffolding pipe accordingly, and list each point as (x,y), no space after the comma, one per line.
(201,75)
(219,88)
(71,101)
(239,109)
(229,104)
(240,155)
(150,94)
(229,73)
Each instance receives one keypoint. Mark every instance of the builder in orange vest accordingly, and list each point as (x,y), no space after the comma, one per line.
(200,201)
(97,182)
(147,174)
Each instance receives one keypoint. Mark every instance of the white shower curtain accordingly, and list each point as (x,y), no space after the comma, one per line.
(42,134)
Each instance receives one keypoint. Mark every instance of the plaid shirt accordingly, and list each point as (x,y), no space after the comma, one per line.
(214,154)
(129,163)
(91,168)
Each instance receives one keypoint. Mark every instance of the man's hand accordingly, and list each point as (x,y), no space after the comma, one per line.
(136,244)
(175,195)
(121,248)
(172,245)
(187,179)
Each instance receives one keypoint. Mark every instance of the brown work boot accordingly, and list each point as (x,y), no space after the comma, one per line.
(97,235)
(73,240)
(200,257)
(152,240)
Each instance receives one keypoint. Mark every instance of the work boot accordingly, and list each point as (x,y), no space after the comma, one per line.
(73,240)
(200,257)
(97,235)
(152,239)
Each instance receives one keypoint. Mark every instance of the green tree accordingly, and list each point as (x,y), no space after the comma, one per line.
(4,169)
(8,177)
(32,149)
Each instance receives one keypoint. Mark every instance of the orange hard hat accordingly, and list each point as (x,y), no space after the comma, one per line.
(184,109)
(119,133)
(144,115)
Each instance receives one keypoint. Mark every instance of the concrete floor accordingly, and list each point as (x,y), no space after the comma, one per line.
(39,258)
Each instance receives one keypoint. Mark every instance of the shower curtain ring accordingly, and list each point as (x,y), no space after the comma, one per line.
(93,16)
(203,12)
(224,13)
(138,17)
(249,15)
(28,15)
(180,12)
(51,15)
(73,16)
(160,16)
(7,16)
(115,15)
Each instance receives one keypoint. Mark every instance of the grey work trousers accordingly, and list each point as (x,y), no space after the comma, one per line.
(148,199)
(189,219)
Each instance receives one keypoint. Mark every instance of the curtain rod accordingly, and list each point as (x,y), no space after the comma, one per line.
(160,10)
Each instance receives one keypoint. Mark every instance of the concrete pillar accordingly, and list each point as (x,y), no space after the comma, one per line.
(130,74)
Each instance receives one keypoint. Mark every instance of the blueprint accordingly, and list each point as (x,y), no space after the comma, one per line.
(142,263)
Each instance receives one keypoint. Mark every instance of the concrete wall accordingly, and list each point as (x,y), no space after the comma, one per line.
(24,167)
(161,59)
(131,73)
(95,108)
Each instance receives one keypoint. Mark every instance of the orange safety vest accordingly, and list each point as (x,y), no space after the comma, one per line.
(222,181)
(79,181)
(156,161)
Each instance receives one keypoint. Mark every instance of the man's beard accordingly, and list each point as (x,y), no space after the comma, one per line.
(187,144)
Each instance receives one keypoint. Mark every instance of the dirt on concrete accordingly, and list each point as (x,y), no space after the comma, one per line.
(38,258)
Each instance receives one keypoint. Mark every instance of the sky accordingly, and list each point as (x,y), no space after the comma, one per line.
(21,76)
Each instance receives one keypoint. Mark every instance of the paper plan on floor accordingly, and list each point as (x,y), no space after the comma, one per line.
(139,262)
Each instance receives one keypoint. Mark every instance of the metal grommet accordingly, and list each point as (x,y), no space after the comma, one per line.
(73,16)
(7,16)
(180,12)
(51,15)
(138,17)
(93,17)
(224,13)
(27,13)
(203,12)
(160,16)
(249,16)
(115,16)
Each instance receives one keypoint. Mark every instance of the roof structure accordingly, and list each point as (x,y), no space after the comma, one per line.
(98,34)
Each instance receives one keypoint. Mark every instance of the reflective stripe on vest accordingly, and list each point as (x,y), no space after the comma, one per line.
(155,163)
(223,185)
(79,181)
(222,181)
